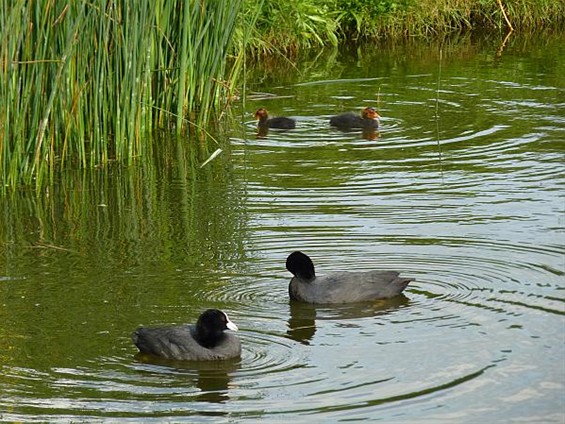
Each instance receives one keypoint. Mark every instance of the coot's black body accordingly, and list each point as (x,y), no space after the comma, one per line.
(279,122)
(369,119)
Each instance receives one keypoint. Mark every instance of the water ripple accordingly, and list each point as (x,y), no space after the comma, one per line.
(460,189)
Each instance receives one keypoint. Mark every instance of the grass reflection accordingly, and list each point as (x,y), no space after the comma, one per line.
(100,248)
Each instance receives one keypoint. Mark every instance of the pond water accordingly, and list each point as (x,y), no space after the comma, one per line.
(462,189)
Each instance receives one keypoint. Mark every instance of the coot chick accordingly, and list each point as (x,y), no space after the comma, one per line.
(201,342)
(369,119)
(340,287)
(279,122)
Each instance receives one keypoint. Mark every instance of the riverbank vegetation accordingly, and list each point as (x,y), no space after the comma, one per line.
(82,84)
(290,25)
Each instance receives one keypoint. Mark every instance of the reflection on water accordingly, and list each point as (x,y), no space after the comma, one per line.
(212,377)
(369,134)
(460,189)
(303,316)
(302,322)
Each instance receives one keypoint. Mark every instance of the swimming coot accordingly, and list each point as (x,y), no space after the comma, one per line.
(280,122)
(341,287)
(204,341)
(369,119)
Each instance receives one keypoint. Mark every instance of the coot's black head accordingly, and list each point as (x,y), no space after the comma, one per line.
(301,266)
(211,325)
(261,114)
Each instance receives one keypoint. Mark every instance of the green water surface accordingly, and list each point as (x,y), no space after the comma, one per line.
(461,188)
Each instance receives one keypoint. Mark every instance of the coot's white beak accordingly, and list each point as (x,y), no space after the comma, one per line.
(230,325)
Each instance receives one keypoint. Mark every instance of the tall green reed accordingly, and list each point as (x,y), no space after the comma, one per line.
(83,83)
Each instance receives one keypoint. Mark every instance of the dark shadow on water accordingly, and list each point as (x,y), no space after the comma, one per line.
(369,134)
(302,320)
(263,132)
(212,377)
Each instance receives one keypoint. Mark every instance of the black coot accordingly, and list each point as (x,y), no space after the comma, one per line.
(279,122)
(369,119)
(340,287)
(201,342)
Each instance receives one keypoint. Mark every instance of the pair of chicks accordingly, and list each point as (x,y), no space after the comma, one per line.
(368,119)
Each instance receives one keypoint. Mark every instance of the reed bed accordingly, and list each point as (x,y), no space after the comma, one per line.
(83,83)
